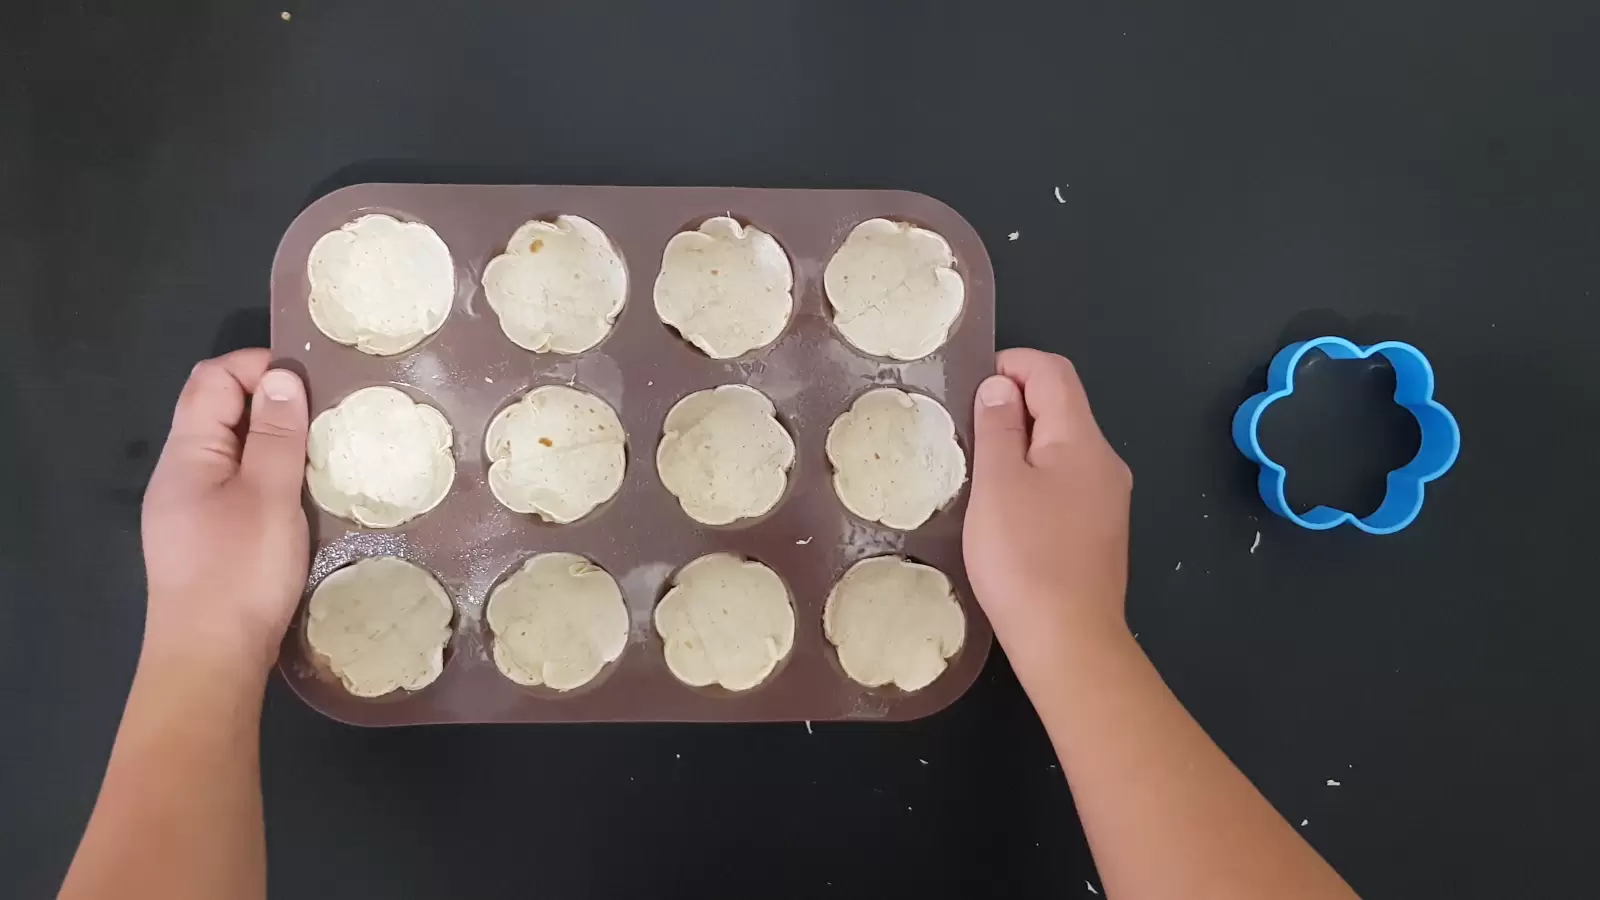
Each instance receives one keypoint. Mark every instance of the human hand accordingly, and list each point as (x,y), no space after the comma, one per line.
(226,546)
(1046,534)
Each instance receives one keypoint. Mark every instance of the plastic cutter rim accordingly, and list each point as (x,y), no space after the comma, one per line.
(1414,381)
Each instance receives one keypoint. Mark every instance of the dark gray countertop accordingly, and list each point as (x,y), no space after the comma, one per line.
(1235,174)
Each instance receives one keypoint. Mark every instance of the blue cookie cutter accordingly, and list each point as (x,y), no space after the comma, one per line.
(1413,389)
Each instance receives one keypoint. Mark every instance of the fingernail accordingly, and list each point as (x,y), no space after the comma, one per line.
(997,390)
(280,385)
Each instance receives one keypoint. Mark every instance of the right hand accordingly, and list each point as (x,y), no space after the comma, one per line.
(1046,534)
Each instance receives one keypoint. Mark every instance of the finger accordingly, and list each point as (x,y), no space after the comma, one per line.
(1000,429)
(275,447)
(1054,395)
(203,440)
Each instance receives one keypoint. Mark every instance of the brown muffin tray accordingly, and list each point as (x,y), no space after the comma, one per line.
(470,370)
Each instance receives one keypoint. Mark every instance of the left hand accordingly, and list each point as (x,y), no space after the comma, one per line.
(226,545)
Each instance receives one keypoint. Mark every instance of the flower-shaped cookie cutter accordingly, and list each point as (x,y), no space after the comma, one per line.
(1413,389)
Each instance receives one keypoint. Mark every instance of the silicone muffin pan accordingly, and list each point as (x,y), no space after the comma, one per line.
(470,370)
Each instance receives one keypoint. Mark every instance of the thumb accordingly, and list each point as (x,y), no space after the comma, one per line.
(275,449)
(1001,427)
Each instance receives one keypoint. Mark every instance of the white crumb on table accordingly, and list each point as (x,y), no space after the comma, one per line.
(1332,783)
(285,15)
(1059,198)
(677,756)
(308,346)
(808,727)
(803,543)
(1257,543)
(921,760)
(1304,822)
(488,380)
(1013,235)
(1178,567)
(1090,887)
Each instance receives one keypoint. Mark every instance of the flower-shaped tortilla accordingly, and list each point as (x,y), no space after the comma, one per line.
(557,621)
(894,289)
(893,622)
(725,287)
(379,284)
(558,452)
(558,287)
(380,625)
(724,454)
(379,458)
(726,621)
(895,458)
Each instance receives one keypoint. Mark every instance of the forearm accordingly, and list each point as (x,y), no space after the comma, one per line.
(179,814)
(1166,813)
